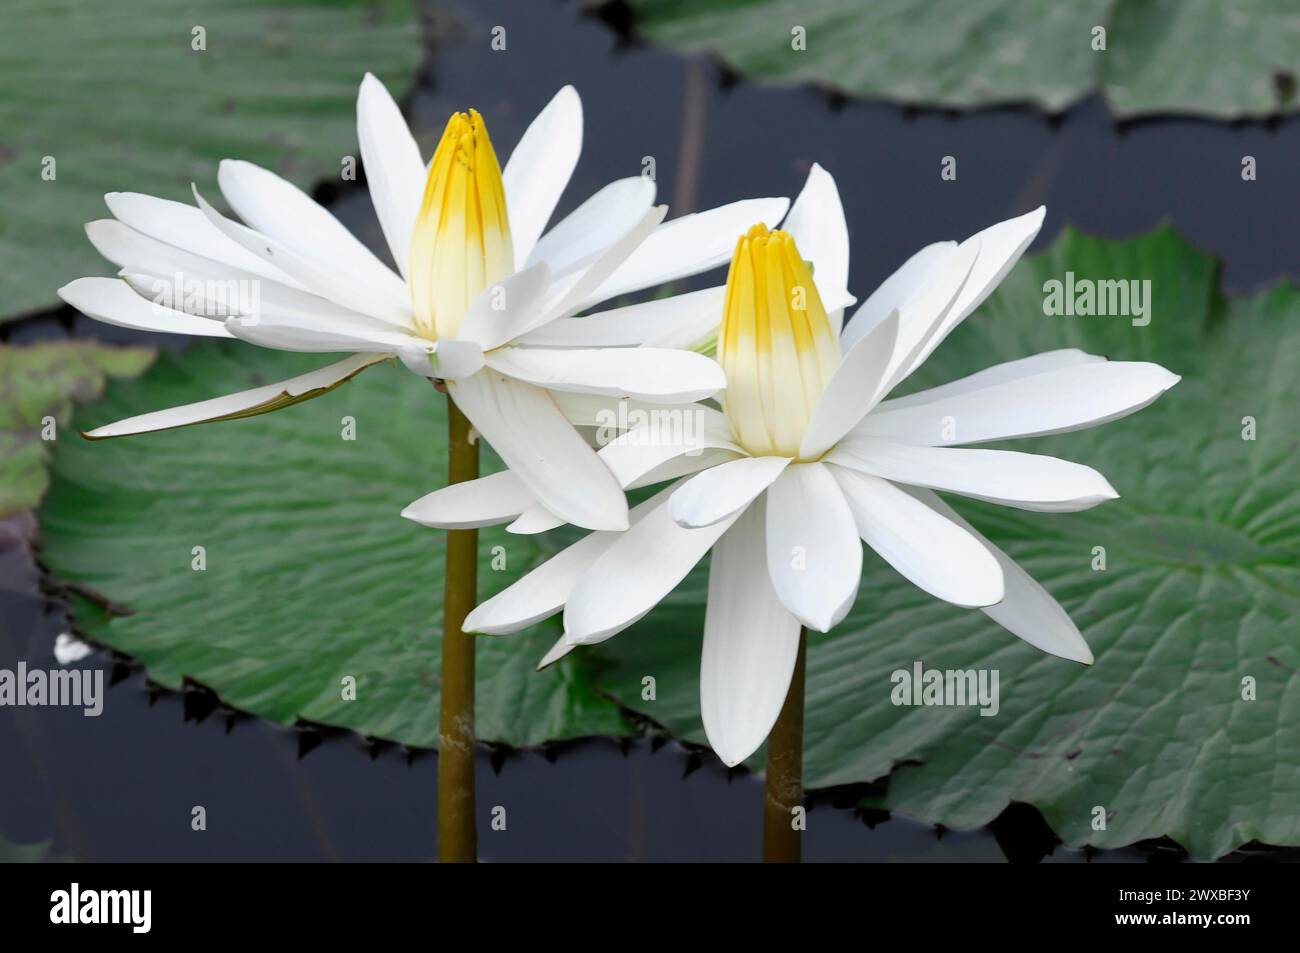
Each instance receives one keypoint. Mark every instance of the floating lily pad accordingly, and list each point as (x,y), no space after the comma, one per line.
(1195,612)
(38,384)
(308,574)
(102,97)
(1159,56)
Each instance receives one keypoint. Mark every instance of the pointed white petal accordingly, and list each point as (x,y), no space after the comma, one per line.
(186,228)
(280,210)
(1026,481)
(816,221)
(1024,400)
(561,648)
(540,167)
(929,550)
(750,644)
(394,170)
(896,291)
(924,312)
(681,321)
(653,374)
(543,591)
(112,301)
(688,246)
(529,433)
(1027,609)
(569,296)
(1000,247)
(579,238)
(496,498)
(814,557)
(852,390)
(507,309)
(321,280)
(249,403)
(724,490)
(536,519)
(639,569)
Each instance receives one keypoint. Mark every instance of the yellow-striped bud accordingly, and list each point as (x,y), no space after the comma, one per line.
(776,344)
(461,244)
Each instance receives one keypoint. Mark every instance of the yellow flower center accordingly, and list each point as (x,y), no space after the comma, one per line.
(461,244)
(776,344)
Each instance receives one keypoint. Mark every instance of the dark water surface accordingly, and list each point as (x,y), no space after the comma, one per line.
(121,786)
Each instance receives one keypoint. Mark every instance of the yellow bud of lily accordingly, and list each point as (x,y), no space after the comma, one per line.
(776,344)
(461,244)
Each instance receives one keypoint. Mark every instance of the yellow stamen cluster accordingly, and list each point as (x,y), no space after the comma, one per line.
(776,344)
(461,244)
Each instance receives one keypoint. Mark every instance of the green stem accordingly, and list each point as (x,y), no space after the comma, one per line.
(457,835)
(781,838)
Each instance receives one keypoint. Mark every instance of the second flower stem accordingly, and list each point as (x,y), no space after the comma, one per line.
(457,834)
(782,837)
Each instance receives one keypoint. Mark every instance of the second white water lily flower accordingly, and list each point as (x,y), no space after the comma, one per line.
(806,462)
(476,279)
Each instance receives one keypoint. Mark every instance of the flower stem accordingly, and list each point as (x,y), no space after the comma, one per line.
(457,836)
(781,837)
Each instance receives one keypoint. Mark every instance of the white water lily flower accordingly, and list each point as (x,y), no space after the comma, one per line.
(806,459)
(476,279)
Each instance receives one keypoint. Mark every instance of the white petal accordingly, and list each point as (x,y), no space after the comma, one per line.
(999,403)
(852,390)
(579,238)
(814,557)
(681,321)
(653,374)
(248,403)
(896,291)
(1027,610)
(543,591)
(724,490)
(751,644)
(816,221)
(507,309)
(185,227)
(309,340)
(280,210)
(639,569)
(924,312)
(688,246)
(997,374)
(489,500)
(597,410)
(536,519)
(529,433)
(1000,247)
(112,301)
(540,167)
(394,169)
(331,284)
(568,296)
(556,652)
(931,551)
(638,448)
(1026,481)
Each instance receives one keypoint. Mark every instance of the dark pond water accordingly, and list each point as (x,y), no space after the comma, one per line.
(121,786)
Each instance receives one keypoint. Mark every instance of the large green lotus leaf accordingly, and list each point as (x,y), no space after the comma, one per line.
(1160,55)
(310,574)
(38,383)
(1200,591)
(99,97)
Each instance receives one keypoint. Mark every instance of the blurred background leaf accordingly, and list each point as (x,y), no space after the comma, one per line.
(1225,60)
(117,97)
